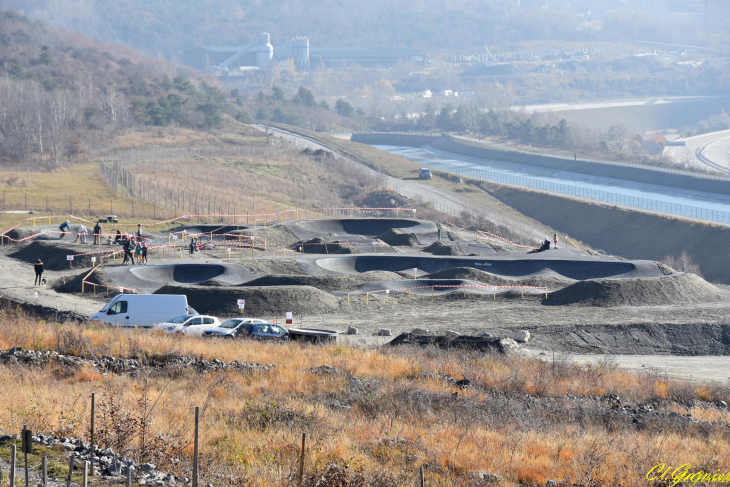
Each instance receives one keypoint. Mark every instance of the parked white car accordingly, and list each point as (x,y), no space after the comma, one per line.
(233,328)
(193,325)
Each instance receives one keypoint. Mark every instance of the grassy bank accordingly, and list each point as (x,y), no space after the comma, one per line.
(386,410)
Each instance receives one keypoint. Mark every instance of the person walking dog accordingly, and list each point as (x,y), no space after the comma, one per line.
(38,267)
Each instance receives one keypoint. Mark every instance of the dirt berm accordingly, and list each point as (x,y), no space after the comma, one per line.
(319,245)
(505,346)
(275,266)
(72,285)
(260,301)
(468,274)
(656,291)
(54,255)
(326,283)
(440,248)
(398,238)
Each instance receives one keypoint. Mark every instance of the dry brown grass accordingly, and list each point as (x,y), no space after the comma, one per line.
(399,415)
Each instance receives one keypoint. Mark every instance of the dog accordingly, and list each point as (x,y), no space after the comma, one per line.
(43,281)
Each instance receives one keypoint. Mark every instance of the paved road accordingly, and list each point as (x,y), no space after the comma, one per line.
(695,369)
(441,199)
(714,147)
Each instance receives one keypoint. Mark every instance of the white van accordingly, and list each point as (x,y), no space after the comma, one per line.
(143,310)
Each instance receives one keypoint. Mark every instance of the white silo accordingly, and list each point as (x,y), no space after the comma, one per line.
(265,52)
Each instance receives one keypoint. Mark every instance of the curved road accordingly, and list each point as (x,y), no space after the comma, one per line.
(702,151)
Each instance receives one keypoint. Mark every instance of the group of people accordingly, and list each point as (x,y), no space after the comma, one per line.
(133,246)
(82,233)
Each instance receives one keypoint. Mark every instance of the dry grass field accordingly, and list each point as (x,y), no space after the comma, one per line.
(384,411)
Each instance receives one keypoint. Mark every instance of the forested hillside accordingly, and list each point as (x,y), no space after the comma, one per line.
(166,28)
(61,92)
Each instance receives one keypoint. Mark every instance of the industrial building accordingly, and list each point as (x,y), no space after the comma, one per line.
(261,54)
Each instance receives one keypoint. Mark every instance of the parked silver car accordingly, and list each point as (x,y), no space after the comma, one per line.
(233,328)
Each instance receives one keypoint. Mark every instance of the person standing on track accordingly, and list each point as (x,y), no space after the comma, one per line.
(192,246)
(128,252)
(97,234)
(555,239)
(144,252)
(38,267)
(438,234)
(138,252)
(81,235)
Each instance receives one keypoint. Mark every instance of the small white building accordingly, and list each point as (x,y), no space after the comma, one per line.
(426,94)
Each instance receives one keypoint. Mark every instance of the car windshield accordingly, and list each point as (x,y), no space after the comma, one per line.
(230,324)
(180,319)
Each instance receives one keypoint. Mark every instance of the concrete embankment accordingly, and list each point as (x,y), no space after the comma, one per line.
(631,234)
(394,139)
(625,173)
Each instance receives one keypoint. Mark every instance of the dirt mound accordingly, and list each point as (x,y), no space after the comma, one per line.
(440,248)
(326,283)
(269,267)
(274,234)
(396,237)
(260,301)
(469,274)
(385,198)
(23,232)
(656,291)
(319,245)
(72,285)
(505,346)
(54,254)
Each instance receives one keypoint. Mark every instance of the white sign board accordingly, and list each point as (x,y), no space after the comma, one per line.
(121,290)
(36,294)
(69,257)
(387,291)
(241,303)
(375,243)
(415,270)
(289,315)
(93,259)
(174,237)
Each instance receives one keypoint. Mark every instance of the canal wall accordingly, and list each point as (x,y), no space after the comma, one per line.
(604,170)
(619,231)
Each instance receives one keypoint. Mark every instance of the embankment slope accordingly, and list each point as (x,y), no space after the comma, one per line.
(628,233)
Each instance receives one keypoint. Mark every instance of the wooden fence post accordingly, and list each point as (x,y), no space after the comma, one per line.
(301,460)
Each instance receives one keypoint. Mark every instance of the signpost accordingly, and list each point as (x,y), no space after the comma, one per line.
(70,259)
(241,303)
(289,318)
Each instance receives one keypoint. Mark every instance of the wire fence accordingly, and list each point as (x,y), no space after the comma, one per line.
(591,193)
(572,156)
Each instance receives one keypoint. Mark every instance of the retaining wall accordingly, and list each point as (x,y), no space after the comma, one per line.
(630,234)
(634,174)
(394,139)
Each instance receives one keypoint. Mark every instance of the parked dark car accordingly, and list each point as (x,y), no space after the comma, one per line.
(267,331)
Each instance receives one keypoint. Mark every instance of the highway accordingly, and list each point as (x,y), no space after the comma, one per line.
(704,151)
